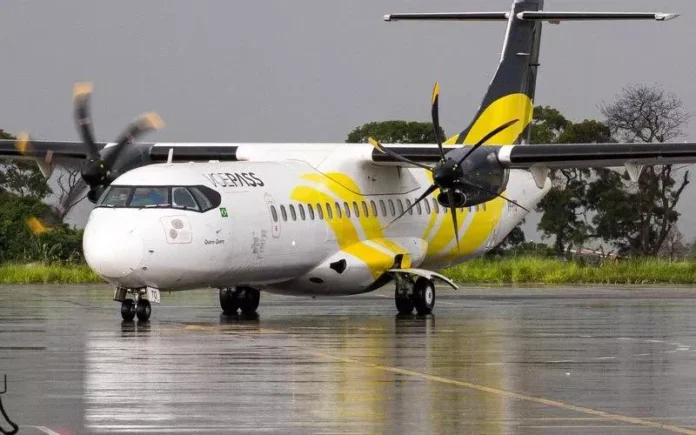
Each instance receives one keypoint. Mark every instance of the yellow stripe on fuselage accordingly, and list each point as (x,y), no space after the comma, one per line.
(346,234)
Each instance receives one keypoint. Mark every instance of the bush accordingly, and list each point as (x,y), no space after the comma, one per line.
(18,243)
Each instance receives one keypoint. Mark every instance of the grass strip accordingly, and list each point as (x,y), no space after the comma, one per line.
(36,273)
(533,270)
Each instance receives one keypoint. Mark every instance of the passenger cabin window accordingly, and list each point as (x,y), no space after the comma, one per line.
(418,208)
(383,207)
(408,206)
(374,208)
(427,206)
(292,212)
(391,208)
(311,211)
(365,212)
(329,213)
(436,206)
(274,213)
(338,210)
(320,212)
(400,205)
(302,213)
(283,212)
(193,198)
(356,209)
(346,207)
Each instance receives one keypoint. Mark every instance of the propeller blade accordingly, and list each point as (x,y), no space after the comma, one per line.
(486,138)
(143,124)
(36,225)
(425,194)
(435,112)
(23,143)
(83,119)
(490,192)
(379,146)
(450,199)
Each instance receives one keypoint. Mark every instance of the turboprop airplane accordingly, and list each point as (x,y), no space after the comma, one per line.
(326,219)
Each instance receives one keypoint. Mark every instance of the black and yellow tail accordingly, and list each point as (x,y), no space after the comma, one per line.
(510,95)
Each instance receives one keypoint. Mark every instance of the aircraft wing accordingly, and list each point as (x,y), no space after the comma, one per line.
(44,150)
(597,155)
(539,159)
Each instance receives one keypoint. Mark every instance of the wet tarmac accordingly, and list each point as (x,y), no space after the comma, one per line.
(575,360)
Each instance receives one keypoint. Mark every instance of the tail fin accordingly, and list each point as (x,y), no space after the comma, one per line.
(511,93)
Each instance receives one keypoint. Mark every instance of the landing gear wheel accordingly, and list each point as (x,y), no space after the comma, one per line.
(143,310)
(128,310)
(249,299)
(229,301)
(402,295)
(424,296)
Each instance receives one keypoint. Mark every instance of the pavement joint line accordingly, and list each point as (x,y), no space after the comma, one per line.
(504,393)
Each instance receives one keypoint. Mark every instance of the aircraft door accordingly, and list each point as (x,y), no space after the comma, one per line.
(273,215)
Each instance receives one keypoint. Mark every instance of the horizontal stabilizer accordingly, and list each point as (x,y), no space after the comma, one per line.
(451,16)
(590,16)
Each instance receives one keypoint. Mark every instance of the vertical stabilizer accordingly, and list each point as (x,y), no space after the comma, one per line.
(511,93)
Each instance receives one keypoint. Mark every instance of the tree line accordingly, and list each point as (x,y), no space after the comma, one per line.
(598,207)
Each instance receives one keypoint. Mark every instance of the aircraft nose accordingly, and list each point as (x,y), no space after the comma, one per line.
(114,250)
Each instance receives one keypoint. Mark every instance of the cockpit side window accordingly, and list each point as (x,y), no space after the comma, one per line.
(150,197)
(116,196)
(206,197)
(181,198)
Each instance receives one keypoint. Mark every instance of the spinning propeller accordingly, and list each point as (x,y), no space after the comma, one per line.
(98,170)
(448,175)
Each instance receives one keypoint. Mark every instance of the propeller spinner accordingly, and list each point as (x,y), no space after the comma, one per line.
(448,175)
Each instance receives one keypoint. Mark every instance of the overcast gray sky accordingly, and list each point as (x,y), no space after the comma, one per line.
(311,70)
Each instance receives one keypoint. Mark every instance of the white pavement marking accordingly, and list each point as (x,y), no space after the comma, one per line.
(45,430)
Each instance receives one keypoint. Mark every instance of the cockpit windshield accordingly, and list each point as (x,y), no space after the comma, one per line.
(195,198)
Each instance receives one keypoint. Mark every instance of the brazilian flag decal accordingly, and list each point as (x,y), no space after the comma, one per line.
(223,212)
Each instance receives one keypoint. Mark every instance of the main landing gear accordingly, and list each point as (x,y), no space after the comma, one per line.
(245,299)
(410,294)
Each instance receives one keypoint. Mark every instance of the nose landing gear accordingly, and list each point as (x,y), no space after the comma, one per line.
(241,298)
(130,308)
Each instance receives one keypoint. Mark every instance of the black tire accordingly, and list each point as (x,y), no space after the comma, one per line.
(143,310)
(404,303)
(424,296)
(229,301)
(249,299)
(128,310)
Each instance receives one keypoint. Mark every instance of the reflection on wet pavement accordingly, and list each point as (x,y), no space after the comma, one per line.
(585,360)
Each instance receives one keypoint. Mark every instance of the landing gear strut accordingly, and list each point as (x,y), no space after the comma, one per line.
(245,299)
(419,295)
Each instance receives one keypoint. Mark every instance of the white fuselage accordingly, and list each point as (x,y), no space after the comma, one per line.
(264,235)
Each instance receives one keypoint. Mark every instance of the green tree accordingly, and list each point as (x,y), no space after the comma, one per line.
(22,177)
(638,219)
(565,207)
(396,132)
